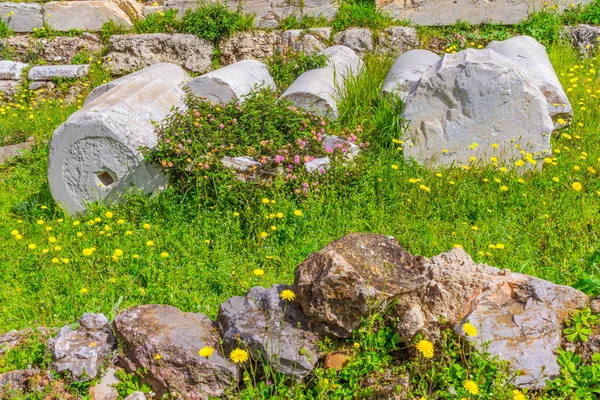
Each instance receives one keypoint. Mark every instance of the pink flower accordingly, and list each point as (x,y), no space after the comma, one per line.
(279,159)
(328,149)
(296,159)
(221,126)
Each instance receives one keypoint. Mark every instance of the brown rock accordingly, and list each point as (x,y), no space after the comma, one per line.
(337,360)
(165,341)
(63,49)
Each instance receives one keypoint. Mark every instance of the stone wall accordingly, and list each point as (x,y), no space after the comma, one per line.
(89,15)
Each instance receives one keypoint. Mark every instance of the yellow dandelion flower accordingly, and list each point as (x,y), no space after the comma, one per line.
(206,351)
(158,357)
(425,347)
(55,260)
(149,243)
(108,214)
(503,188)
(164,254)
(298,213)
(75,223)
(236,214)
(40,222)
(287,295)
(356,345)
(83,290)
(65,260)
(239,356)
(577,186)
(14,232)
(280,215)
(265,201)
(394,166)
(79,234)
(87,252)
(97,219)
(471,386)
(499,246)
(120,222)
(469,329)
(52,239)
(263,235)
(118,252)
(258,272)
(128,233)
(146,226)
(518,395)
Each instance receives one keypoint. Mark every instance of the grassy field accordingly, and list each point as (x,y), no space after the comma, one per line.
(181,250)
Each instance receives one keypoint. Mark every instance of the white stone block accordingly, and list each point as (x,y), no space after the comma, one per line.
(407,71)
(95,155)
(11,70)
(83,15)
(233,82)
(21,17)
(50,72)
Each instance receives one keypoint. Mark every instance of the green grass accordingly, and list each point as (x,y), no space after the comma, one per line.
(213,250)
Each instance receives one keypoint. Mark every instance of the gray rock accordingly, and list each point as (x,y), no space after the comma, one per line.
(8,88)
(317,90)
(448,12)
(530,56)
(318,164)
(584,37)
(396,40)
(39,85)
(407,71)
(476,103)
(63,48)
(50,72)
(233,82)
(133,8)
(11,70)
(309,41)
(349,149)
(6,153)
(166,342)
(22,47)
(136,396)
(83,15)
(358,39)
(100,142)
(253,45)
(82,351)
(21,17)
(272,329)
(152,10)
(522,316)
(127,53)
(105,389)
(595,305)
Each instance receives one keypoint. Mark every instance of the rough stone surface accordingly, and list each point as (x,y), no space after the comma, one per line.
(522,316)
(11,339)
(337,360)
(80,352)
(358,39)
(407,70)
(8,88)
(94,155)
(531,57)
(83,15)
(396,40)
(20,47)
(128,53)
(63,49)
(133,8)
(253,45)
(317,90)
(176,337)
(50,72)
(308,41)
(6,153)
(586,350)
(136,396)
(448,12)
(11,70)
(26,17)
(349,149)
(245,168)
(318,164)
(105,389)
(476,103)
(584,37)
(272,329)
(152,10)
(233,82)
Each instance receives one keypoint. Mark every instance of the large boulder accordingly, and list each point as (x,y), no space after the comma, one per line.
(530,56)
(476,103)
(317,90)
(127,53)
(21,17)
(83,15)
(272,329)
(95,155)
(81,352)
(166,342)
(233,82)
(520,315)
(407,70)
(358,39)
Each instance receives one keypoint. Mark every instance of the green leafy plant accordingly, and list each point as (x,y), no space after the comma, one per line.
(158,22)
(4,31)
(577,380)
(30,352)
(360,13)
(112,28)
(544,25)
(215,22)
(579,327)
(129,383)
(286,67)
(306,22)
(583,14)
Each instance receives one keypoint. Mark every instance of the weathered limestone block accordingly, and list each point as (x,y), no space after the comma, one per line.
(520,315)
(50,72)
(127,53)
(94,155)
(308,41)
(8,152)
(62,49)
(316,90)
(233,82)
(476,103)
(530,56)
(584,37)
(272,329)
(82,351)
(176,337)
(83,15)
(407,70)
(21,17)
(397,40)
(448,12)
(253,45)
(133,8)
(11,70)
(358,39)
(8,88)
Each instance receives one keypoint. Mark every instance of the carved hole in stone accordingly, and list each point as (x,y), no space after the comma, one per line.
(105,178)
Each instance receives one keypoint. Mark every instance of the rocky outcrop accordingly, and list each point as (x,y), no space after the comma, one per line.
(520,315)
(127,53)
(166,343)
(476,103)
(82,351)
(273,330)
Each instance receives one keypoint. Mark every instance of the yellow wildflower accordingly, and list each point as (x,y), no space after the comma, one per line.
(469,329)
(425,347)
(239,356)
(206,351)
(471,386)
(287,295)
